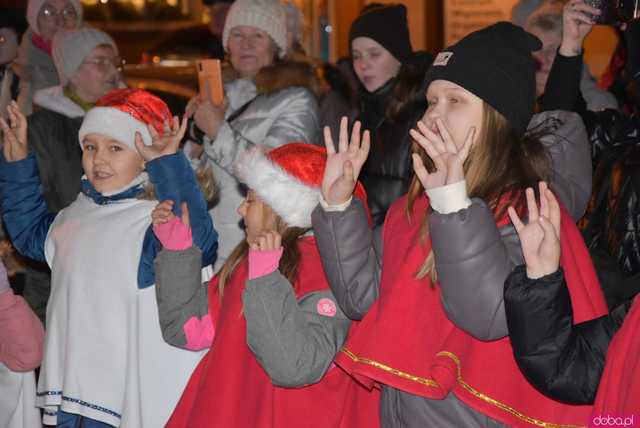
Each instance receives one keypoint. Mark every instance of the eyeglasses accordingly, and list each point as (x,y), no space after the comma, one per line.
(50,13)
(105,63)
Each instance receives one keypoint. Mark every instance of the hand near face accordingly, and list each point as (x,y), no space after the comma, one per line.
(208,117)
(161,145)
(577,23)
(540,237)
(14,134)
(448,156)
(267,241)
(174,233)
(343,167)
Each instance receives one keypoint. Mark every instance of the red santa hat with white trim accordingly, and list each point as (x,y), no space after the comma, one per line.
(122,113)
(288,179)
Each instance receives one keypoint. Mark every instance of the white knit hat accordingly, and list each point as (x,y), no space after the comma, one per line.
(33,10)
(267,15)
(70,48)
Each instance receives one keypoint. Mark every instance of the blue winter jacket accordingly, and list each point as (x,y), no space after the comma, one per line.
(27,219)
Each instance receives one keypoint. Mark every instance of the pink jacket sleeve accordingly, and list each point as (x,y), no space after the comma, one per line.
(21,334)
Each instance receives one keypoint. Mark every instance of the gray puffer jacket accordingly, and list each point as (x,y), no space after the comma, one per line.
(279,108)
(471,253)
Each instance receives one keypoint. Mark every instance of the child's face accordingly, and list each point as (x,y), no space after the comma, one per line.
(458,108)
(109,164)
(257,216)
(373,64)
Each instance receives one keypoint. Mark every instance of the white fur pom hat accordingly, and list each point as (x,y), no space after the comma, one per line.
(267,15)
(288,179)
(122,113)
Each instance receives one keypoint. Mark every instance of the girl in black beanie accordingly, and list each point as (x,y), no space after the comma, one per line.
(391,99)
(428,290)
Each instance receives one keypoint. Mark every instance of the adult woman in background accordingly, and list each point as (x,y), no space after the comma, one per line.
(391,100)
(86,61)
(269,101)
(36,67)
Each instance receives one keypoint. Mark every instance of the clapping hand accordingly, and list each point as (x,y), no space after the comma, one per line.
(540,237)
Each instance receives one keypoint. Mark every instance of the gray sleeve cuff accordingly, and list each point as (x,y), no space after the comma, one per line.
(180,293)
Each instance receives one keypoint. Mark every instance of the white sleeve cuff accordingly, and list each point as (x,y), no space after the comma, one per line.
(449,198)
(335,208)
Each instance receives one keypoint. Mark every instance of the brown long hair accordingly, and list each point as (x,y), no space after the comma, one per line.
(499,165)
(289,261)
(409,88)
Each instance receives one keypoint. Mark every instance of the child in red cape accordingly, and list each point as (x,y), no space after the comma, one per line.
(430,291)
(566,361)
(268,316)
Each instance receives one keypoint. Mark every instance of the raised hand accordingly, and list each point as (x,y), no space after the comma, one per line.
(540,237)
(161,145)
(15,135)
(577,22)
(174,233)
(343,167)
(448,157)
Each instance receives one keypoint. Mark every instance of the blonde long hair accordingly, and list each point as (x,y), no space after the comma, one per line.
(499,165)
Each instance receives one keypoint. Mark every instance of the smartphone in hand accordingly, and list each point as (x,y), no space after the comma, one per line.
(210,80)
(614,12)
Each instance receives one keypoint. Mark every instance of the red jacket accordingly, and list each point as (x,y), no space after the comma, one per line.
(407,342)
(230,389)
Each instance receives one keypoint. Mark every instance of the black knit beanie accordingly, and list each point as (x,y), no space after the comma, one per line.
(386,25)
(496,65)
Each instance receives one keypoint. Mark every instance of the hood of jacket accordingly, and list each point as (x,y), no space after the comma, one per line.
(54,99)
(287,74)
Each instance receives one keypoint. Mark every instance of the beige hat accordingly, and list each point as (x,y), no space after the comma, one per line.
(33,10)
(267,15)
(70,48)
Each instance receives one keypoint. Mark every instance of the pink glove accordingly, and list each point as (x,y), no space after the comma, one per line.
(262,263)
(174,235)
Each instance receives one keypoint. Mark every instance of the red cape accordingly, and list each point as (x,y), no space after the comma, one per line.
(406,340)
(230,389)
(619,391)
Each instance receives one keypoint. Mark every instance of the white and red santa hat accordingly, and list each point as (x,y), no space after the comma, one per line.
(122,113)
(288,179)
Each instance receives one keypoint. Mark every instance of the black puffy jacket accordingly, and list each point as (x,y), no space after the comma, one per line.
(387,172)
(611,226)
(53,137)
(562,360)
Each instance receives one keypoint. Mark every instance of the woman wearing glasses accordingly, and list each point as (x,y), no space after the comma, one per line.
(45,18)
(87,66)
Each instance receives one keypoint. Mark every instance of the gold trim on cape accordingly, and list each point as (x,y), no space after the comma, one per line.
(463,384)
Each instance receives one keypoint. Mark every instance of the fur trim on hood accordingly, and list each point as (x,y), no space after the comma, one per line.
(288,74)
(54,99)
